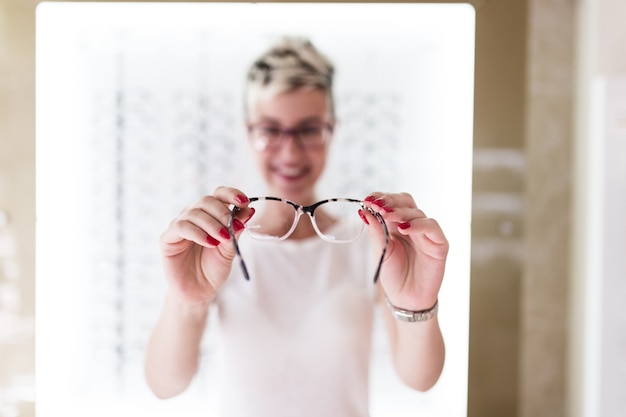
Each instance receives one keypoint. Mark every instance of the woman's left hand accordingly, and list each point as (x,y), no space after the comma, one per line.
(414,265)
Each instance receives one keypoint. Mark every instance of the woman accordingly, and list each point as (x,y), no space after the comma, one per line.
(297,333)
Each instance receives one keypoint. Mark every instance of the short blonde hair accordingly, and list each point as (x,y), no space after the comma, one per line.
(289,64)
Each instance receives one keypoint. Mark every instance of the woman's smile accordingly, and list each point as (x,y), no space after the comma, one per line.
(290,173)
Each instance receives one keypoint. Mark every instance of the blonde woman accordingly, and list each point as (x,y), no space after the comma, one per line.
(295,309)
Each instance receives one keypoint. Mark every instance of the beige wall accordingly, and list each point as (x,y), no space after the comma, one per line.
(524,63)
(17,198)
(497,216)
(547,226)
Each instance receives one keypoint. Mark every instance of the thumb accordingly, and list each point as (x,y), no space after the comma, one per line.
(375,228)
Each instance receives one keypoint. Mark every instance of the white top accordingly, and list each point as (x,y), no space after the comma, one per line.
(296,338)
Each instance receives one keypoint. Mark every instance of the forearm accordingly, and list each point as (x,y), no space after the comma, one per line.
(173,351)
(418,350)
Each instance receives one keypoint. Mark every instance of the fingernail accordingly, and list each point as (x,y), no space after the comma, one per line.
(405,225)
(379,202)
(237,225)
(212,240)
(362,216)
(224,233)
(387,209)
(251,214)
(370,198)
(241,198)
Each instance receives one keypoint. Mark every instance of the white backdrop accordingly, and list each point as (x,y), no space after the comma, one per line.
(139,114)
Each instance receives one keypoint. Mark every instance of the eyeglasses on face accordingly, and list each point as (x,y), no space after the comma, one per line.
(268,137)
(335,220)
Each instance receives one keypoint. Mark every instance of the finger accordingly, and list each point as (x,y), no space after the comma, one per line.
(382,200)
(398,214)
(214,223)
(429,231)
(243,215)
(372,196)
(216,206)
(374,226)
(208,210)
(239,219)
(181,233)
(204,223)
(230,195)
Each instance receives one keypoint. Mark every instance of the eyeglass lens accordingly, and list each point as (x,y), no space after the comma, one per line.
(270,137)
(335,221)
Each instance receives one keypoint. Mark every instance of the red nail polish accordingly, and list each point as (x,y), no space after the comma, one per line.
(379,202)
(237,225)
(362,216)
(224,233)
(405,225)
(212,240)
(251,214)
(387,209)
(241,198)
(370,198)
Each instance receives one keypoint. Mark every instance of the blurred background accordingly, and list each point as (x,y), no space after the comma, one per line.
(547,331)
(139,113)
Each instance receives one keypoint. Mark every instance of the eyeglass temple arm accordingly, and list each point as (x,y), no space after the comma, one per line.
(382,255)
(244,269)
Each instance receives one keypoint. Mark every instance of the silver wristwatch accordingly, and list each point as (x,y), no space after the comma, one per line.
(413,316)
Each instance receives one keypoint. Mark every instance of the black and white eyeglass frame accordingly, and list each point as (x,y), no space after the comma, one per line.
(310,210)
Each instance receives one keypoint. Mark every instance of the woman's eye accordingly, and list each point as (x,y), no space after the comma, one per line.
(270,131)
(310,131)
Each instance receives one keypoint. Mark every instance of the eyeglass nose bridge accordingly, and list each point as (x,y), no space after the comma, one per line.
(310,210)
(295,134)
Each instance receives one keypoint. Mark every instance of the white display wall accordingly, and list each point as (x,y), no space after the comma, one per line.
(139,113)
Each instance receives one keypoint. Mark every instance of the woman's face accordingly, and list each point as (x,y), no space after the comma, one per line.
(291,169)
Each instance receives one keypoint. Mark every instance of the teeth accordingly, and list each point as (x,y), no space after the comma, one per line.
(291,172)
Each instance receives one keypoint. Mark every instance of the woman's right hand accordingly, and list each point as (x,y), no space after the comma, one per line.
(196,248)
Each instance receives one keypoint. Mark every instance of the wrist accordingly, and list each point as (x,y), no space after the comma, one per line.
(412,301)
(413,316)
(189,308)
